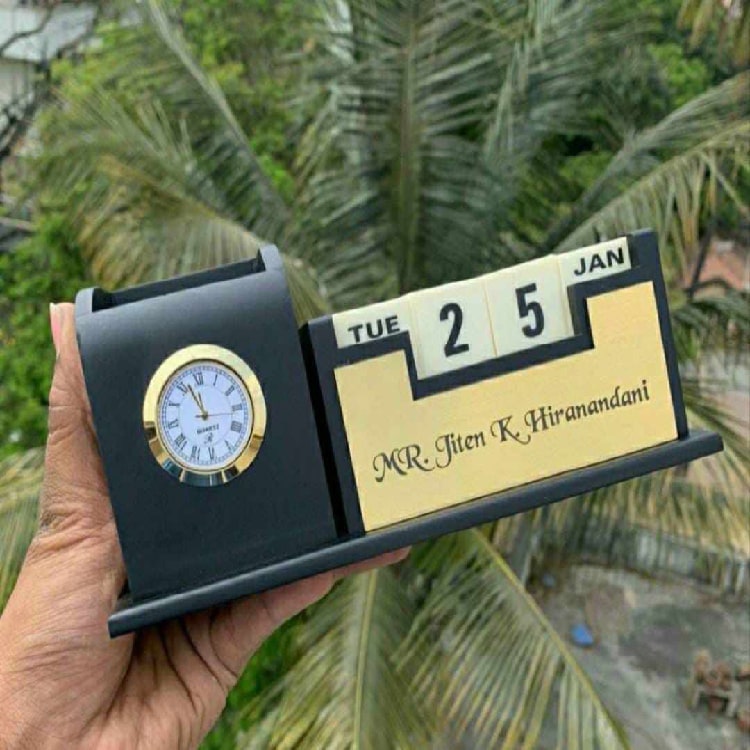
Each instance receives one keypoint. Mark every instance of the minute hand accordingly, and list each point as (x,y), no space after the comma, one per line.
(198,402)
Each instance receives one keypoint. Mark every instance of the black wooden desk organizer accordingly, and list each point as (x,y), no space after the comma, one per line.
(348,451)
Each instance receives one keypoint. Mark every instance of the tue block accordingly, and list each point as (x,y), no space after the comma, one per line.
(372,322)
(594,261)
(527,306)
(452,327)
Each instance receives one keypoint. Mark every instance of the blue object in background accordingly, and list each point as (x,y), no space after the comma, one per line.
(581,635)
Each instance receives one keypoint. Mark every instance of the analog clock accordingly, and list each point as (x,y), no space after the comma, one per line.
(204,415)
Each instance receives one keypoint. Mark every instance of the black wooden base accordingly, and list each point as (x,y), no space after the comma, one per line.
(131,615)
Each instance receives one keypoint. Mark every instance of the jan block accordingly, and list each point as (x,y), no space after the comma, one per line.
(527,306)
(594,261)
(452,327)
(372,322)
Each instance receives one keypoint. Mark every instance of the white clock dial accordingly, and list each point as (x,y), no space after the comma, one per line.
(205,416)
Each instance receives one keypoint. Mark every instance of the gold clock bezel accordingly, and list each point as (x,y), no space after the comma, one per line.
(170,463)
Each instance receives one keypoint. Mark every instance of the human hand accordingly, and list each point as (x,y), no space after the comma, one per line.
(63,682)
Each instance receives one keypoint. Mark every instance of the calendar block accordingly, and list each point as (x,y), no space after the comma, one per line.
(594,261)
(527,306)
(372,322)
(451,327)
(589,387)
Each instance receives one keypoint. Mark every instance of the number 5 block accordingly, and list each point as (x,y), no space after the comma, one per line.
(452,327)
(527,306)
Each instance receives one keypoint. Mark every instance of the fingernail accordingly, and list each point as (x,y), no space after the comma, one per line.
(54,324)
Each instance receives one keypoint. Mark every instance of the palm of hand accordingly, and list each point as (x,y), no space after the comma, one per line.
(63,682)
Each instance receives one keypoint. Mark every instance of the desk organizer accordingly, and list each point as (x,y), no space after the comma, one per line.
(242,454)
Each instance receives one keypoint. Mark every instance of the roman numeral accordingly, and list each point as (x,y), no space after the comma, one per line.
(183,389)
(216,377)
(211,453)
(171,425)
(172,403)
(236,427)
(198,378)
(229,390)
(194,453)
(180,440)
(237,407)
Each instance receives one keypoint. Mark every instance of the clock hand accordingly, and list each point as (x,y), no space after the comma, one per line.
(198,402)
(195,398)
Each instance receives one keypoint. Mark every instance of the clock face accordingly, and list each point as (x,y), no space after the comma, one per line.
(204,415)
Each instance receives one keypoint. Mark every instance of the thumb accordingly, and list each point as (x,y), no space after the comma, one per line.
(73,570)
(74,495)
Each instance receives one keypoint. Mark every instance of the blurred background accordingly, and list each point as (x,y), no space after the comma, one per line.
(384,146)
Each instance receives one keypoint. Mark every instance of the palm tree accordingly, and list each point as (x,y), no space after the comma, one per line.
(420,159)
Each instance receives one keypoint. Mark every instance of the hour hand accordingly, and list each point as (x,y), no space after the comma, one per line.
(198,401)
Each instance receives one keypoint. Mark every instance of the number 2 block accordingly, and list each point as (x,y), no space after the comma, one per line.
(527,307)
(452,327)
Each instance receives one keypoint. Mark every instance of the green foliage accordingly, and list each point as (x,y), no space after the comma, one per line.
(267,666)
(46,267)
(686,77)
(248,47)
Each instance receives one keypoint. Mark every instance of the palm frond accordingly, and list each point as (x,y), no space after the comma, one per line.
(395,180)
(397,173)
(709,324)
(345,690)
(234,165)
(733,18)
(495,667)
(147,209)
(704,409)
(308,297)
(153,62)
(667,507)
(544,78)
(20,480)
(667,176)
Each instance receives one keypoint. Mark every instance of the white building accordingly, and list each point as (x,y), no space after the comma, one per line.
(31,36)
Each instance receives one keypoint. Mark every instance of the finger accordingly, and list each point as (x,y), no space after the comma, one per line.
(240,628)
(388,558)
(75,490)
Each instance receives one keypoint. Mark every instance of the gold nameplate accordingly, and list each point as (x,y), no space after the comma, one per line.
(412,457)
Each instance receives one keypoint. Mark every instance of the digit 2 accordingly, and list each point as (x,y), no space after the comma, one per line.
(534,308)
(453,309)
